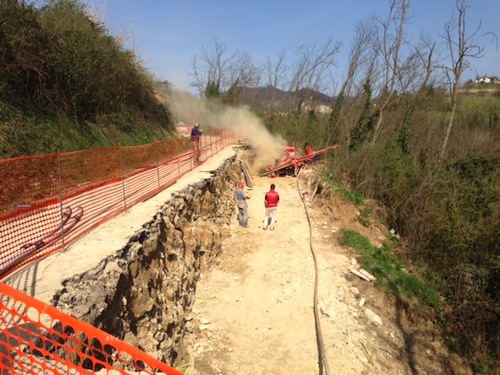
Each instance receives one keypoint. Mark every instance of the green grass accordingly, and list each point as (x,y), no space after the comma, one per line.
(351,196)
(365,209)
(389,271)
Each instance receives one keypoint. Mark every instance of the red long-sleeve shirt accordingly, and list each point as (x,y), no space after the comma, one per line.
(271,199)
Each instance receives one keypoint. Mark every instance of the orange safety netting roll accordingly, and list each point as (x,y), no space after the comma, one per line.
(36,338)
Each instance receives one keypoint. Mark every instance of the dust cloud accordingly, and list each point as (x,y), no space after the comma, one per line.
(248,127)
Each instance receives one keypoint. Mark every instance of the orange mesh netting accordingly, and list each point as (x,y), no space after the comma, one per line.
(47,202)
(36,338)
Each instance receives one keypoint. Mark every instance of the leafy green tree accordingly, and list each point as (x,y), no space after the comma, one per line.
(366,120)
(333,135)
(233,94)
(404,135)
(212,91)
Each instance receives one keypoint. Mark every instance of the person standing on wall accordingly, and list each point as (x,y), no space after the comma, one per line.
(242,205)
(271,200)
(196,134)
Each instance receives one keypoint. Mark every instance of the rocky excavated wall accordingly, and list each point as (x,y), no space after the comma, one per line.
(144,293)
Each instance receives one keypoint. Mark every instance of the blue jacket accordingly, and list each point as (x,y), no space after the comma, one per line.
(196,134)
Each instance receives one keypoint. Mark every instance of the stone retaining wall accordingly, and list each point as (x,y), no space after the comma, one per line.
(144,293)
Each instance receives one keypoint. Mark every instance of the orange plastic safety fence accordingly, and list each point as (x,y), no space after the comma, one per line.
(36,338)
(47,202)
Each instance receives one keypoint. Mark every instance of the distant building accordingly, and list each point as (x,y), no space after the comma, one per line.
(487,79)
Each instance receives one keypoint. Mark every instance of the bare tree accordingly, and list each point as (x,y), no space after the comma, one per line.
(388,46)
(211,66)
(275,72)
(311,71)
(244,71)
(224,69)
(461,47)
(241,74)
(313,66)
(275,77)
(426,56)
(358,58)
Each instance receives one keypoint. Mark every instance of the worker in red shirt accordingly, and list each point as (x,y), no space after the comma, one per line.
(271,201)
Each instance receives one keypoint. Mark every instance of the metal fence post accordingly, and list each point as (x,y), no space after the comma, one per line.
(60,188)
(157,149)
(123,177)
(191,160)
(178,164)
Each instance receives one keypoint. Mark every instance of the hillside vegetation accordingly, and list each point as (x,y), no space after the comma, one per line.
(444,212)
(426,161)
(65,84)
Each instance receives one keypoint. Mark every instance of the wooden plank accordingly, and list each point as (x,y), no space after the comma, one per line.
(244,169)
(359,274)
(367,274)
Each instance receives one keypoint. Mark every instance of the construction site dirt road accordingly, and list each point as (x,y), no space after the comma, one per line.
(255,312)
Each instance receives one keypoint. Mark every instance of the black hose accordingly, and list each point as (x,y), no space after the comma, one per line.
(322,358)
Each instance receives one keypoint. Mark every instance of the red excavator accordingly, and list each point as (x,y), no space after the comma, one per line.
(291,165)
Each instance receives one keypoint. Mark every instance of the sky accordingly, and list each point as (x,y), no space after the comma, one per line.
(167,35)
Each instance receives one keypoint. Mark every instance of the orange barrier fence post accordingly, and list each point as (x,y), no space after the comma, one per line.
(122,175)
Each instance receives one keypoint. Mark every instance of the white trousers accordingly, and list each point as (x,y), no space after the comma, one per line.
(270,217)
